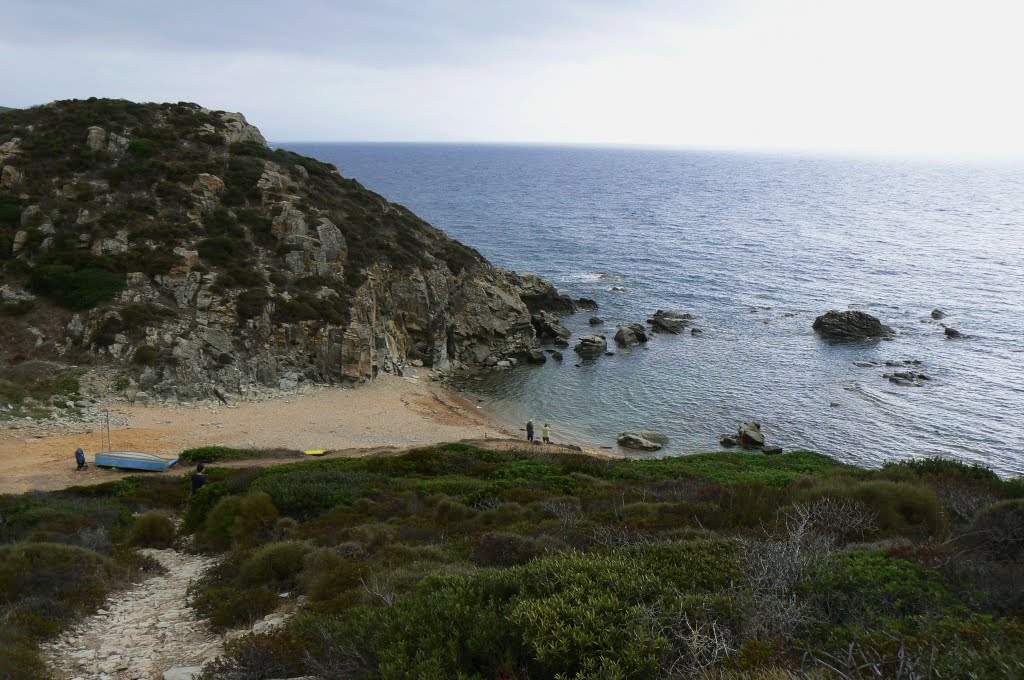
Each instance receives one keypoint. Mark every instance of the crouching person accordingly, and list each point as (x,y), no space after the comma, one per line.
(80,459)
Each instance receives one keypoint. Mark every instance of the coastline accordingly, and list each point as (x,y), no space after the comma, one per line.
(389,413)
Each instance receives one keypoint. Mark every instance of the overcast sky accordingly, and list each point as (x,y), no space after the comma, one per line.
(939,77)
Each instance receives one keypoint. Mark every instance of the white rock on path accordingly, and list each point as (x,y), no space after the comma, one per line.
(142,632)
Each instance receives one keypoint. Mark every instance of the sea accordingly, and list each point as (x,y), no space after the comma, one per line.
(755,246)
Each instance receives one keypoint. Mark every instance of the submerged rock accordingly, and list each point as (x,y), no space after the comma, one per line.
(953,334)
(595,321)
(938,314)
(850,326)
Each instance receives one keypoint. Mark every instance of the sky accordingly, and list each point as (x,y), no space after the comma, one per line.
(893,77)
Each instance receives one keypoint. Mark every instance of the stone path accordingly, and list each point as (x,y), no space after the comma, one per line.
(142,632)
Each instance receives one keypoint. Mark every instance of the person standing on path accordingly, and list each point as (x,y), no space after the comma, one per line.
(529,430)
(546,433)
(80,459)
(198,478)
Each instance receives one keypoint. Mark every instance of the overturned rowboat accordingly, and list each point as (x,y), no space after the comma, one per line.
(134,460)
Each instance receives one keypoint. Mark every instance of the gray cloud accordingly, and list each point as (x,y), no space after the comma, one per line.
(381,33)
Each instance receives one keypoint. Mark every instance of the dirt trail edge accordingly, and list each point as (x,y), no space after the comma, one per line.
(142,631)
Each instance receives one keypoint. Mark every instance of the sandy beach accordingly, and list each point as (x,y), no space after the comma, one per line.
(391,413)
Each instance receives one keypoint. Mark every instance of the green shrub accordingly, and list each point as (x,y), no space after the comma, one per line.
(251,303)
(998,531)
(151,530)
(147,355)
(76,577)
(904,508)
(504,549)
(214,454)
(223,250)
(275,565)
(243,520)
(227,607)
(864,587)
(76,289)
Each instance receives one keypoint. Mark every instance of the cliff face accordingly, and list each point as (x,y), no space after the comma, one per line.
(172,243)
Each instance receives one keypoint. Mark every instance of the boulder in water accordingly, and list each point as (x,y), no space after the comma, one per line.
(586,304)
(536,356)
(850,326)
(669,321)
(630,335)
(596,321)
(642,441)
(750,436)
(938,314)
(549,326)
(953,334)
(591,346)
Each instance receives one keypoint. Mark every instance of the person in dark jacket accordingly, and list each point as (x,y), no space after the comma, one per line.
(80,459)
(198,478)
(529,430)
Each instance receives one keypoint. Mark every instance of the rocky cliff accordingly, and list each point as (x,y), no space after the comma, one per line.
(171,243)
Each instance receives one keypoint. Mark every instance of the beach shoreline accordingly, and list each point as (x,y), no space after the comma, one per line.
(389,414)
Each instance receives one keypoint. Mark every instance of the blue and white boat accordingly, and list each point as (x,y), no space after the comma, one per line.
(134,460)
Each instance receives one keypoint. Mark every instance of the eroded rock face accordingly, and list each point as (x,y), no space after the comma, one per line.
(850,326)
(250,267)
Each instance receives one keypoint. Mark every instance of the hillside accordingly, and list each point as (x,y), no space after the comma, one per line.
(457,562)
(170,243)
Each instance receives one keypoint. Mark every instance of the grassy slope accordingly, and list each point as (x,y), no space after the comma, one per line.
(452,561)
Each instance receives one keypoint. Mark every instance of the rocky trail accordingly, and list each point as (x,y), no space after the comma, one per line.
(142,632)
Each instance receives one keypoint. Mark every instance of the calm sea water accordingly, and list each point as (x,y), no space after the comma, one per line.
(755,246)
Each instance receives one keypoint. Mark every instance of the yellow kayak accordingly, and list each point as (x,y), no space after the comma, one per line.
(315,452)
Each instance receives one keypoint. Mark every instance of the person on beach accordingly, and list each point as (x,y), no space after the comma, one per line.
(80,459)
(546,433)
(198,478)
(529,431)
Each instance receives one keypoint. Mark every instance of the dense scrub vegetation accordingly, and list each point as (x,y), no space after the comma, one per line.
(63,553)
(457,562)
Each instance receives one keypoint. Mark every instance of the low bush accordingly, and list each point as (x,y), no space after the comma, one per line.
(504,549)
(243,520)
(216,454)
(228,607)
(151,530)
(275,565)
(998,531)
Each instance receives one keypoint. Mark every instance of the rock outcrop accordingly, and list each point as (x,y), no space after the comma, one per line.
(630,335)
(549,327)
(642,441)
(591,346)
(182,251)
(850,326)
(669,321)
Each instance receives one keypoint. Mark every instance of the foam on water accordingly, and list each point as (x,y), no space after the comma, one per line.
(755,247)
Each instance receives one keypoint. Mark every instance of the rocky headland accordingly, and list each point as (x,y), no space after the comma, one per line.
(171,246)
